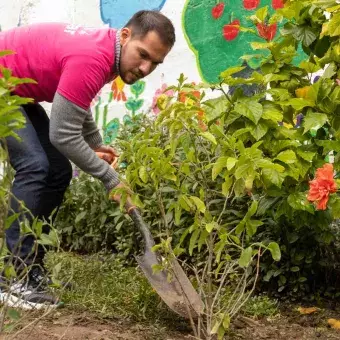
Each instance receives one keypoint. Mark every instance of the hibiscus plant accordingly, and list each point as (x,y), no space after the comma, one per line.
(220,181)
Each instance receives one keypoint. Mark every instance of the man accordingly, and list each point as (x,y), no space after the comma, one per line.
(70,65)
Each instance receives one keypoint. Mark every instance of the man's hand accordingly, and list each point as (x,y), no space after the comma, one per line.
(108,154)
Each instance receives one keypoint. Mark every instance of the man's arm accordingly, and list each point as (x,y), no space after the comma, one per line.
(91,132)
(66,128)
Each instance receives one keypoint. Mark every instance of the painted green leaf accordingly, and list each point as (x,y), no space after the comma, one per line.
(134,104)
(138,88)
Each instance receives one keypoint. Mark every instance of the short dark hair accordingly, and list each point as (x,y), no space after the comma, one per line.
(144,22)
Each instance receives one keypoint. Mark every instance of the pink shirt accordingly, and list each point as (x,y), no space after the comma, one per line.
(72,60)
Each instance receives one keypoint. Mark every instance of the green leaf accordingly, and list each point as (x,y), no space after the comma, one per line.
(298,201)
(287,157)
(299,103)
(273,176)
(193,240)
(266,164)
(335,206)
(80,216)
(334,25)
(231,162)
(232,70)
(305,34)
(306,155)
(272,113)
(46,240)
(314,120)
(208,136)
(185,203)
(199,204)
(259,130)
(211,226)
(245,257)
(143,174)
(252,226)
(250,109)
(220,164)
(252,209)
(226,186)
(294,269)
(226,321)
(275,251)
(309,66)
(10,220)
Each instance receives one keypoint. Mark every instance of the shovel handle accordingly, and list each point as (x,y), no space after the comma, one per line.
(143,228)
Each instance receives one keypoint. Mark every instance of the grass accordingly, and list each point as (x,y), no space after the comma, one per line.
(103,285)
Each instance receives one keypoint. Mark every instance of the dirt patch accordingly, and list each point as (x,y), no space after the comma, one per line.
(68,325)
(63,326)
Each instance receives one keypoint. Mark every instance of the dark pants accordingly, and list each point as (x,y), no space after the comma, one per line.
(42,175)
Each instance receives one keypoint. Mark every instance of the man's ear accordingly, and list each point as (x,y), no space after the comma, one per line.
(125,35)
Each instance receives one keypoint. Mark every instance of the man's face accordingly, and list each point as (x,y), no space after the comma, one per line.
(140,56)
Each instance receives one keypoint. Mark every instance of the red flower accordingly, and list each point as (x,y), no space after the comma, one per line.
(322,186)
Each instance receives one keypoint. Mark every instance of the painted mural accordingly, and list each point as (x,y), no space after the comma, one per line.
(116,13)
(212,29)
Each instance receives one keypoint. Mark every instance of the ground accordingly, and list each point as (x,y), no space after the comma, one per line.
(67,325)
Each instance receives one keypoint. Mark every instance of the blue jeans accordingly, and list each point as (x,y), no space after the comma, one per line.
(42,175)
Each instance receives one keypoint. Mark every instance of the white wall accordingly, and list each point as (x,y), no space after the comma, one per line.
(87,12)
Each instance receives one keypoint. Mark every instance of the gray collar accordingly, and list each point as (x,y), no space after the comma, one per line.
(117,52)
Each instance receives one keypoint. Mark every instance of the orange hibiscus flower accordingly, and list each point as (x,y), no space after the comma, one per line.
(322,186)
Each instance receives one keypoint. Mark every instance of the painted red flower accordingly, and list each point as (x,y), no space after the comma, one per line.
(217,10)
(322,186)
(277,4)
(231,31)
(251,4)
(267,31)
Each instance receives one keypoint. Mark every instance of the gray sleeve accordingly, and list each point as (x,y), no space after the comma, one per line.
(91,132)
(66,126)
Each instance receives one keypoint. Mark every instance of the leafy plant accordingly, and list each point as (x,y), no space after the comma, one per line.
(11,120)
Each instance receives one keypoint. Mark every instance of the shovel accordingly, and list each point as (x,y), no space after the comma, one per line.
(178,294)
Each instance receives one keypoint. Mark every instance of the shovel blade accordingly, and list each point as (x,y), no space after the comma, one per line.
(178,294)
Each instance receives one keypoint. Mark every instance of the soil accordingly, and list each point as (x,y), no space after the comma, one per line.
(68,325)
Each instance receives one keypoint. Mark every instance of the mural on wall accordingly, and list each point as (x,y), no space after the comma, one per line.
(210,27)
(116,13)
(133,104)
